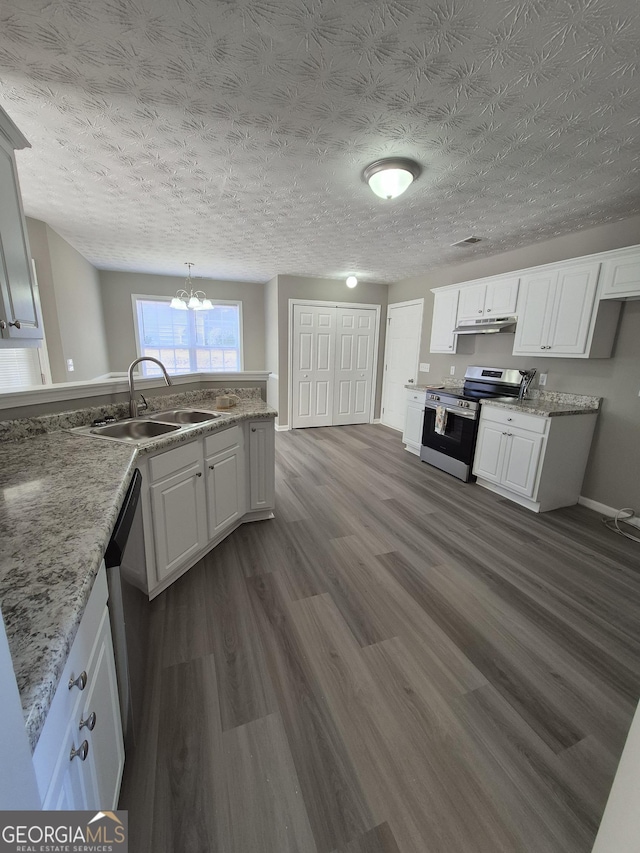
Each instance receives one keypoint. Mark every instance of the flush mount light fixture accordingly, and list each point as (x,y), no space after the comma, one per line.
(351,281)
(196,300)
(390,177)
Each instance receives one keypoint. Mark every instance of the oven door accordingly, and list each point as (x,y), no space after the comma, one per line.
(459,439)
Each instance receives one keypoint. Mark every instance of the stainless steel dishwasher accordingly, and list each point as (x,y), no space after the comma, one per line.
(129,607)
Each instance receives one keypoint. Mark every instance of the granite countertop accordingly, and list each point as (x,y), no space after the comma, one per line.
(549,404)
(61,495)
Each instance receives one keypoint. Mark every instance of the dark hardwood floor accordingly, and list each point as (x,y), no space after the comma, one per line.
(397,663)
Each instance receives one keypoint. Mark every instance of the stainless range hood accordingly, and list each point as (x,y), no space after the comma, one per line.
(486,326)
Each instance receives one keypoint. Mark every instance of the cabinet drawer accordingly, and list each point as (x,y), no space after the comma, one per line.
(221,440)
(533,423)
(415,396)
(67,701)
(167,463)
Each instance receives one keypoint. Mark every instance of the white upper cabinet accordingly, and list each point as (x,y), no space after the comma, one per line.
(621,275)
(558,314)
(496,297)
(19,314)
(445,312)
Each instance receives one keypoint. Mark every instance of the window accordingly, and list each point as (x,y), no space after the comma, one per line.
(188,341)
(20,368)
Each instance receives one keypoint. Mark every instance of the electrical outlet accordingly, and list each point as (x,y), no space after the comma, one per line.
(452,370)
(543,379)
(70,366)
(425,368)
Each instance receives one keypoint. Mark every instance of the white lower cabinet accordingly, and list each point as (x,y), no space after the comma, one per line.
(79,757)
(536,461)
(195,494)
(414,421)
(261,465)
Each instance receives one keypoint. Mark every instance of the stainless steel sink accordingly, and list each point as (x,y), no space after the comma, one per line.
(133,430)
(183,416)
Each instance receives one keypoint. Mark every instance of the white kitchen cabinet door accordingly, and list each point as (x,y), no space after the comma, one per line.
(17,294)
(445,312)
(354,363)
(225,489)
(621,275)
(471,301)
(261,465)
(179,518)
(522,452)
(313,365)
(489,453)
(414,421)
(573,310)
(535,307)
(502,297)
(105,761)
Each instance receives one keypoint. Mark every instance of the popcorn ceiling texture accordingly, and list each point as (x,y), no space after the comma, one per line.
(233,134)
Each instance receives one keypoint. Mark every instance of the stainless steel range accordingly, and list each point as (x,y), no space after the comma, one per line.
(451,416)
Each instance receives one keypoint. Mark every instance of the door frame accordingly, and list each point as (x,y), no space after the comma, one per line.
(330,303)
(418,301)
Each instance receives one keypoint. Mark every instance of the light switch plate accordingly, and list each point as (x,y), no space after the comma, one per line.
(70,367)
(542,380)
(425,368)
(452,370)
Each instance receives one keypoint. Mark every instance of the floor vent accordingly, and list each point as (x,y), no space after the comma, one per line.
(468,242)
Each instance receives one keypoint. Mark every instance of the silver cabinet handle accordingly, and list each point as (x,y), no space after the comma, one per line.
(80,682)
(89,723)
(82,751)
(4,324)
(509,419)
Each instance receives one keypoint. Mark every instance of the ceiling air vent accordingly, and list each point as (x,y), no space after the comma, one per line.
(468,242)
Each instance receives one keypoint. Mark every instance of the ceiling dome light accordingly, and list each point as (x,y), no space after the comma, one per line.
(352,281)
(390,177)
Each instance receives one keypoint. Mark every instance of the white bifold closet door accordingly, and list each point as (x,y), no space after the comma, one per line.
(333,353)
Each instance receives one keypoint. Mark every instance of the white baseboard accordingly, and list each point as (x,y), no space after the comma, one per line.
(283,428)
(603,509)
(376,421)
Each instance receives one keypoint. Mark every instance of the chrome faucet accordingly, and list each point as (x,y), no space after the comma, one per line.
(133,404)
(527,379)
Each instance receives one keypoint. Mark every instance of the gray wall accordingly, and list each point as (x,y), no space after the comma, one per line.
(612,472)
(298,287)
(117,288)
(71,306)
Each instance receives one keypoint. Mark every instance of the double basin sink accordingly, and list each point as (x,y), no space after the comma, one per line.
(137,430)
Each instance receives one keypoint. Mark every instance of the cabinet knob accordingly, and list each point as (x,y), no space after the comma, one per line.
(306,376)
(450,346)
(211,467)
(80,682)
(199,474)
(509,419)
(488,310)
(479,310)
(253,429)
(4,324)
(81,752)
(89,723)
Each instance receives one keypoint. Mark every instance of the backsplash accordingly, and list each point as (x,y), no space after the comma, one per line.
(28,427)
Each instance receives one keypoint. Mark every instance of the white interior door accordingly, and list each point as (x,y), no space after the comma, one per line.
(313,365)
(402,348)
(353,378)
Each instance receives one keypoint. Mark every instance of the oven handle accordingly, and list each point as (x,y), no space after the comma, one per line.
(471,415)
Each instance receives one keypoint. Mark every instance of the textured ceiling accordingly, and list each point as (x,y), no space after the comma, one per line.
(233,133)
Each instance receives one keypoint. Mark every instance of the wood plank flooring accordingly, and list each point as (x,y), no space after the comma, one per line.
(397,663)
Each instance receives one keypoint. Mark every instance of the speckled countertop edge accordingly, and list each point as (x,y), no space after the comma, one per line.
(61,495)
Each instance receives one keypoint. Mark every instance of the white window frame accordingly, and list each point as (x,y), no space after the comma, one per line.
(148,297)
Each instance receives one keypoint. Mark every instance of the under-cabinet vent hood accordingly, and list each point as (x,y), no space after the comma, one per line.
(486,326)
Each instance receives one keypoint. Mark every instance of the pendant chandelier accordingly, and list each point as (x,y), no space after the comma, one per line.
(196,300)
